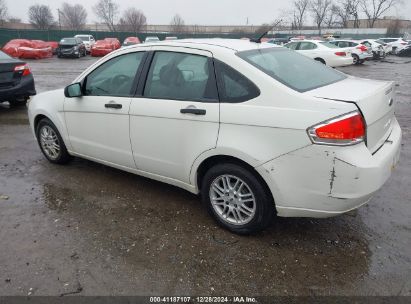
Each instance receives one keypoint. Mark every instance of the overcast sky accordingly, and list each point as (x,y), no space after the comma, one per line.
(202,12)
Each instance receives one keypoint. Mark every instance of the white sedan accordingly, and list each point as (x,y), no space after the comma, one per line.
(324,52)
(255,129)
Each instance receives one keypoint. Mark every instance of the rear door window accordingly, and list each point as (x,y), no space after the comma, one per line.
(181,76)
(233,86)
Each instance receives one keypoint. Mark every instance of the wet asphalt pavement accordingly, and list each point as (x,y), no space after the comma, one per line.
(92,230)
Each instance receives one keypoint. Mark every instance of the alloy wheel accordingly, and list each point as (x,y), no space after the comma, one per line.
(49,142)
(232,200)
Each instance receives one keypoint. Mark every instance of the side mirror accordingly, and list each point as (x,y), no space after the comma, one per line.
(73,90)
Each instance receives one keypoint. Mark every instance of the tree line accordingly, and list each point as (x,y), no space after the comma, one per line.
(74,17)
(338,13)
(324,13)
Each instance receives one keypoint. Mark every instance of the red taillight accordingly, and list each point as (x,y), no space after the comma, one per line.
(24,69)
(345,130)
(362,48)
(404,43)
(342,54)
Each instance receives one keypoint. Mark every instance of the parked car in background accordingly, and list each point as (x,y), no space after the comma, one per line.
(101,48)
(323,52)
(54,46)
(360,52)
(278,41)
(377,48)
(405,52)
(114,42)
(88,41)
(16,81)
(255,129)
(71,47)
(151,39)
(387,47)
(28,49)
(397,43)
(131,41)
(168,38)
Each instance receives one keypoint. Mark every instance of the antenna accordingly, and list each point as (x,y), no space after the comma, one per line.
(258,40)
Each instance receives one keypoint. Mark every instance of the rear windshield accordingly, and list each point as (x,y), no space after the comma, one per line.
(294,70)
(68,41)
(330,45)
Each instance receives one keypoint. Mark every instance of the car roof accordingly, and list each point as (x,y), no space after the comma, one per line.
(212,44)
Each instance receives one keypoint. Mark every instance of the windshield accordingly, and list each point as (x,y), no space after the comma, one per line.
(329,45)
(292,69)
(68,41)
(84,38)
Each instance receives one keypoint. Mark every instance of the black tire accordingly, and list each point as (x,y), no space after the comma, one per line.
(264,203)
(18,103)
(63,156)
(320,60)
(362,61)
(356,59)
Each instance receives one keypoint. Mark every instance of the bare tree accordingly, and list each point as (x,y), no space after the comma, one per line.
(107,11)
(300,9)
(319,9)
(332,16)
(177,24)
(3,11)
(73,17)
(347,10)
(374,9)
(41,17)
(133,20)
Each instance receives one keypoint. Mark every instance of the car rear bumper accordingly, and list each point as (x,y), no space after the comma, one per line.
(325,181)
(24,89)
(100,52)
(365,56)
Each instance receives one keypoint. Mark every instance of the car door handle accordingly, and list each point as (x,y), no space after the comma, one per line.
(113,105)
(194,111)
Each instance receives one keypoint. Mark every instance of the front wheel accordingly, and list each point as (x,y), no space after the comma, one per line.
(237,198)
(51,143)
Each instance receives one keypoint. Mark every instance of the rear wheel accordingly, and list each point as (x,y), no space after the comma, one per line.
(51,143)
(356,59)
(320,60)
(237,198)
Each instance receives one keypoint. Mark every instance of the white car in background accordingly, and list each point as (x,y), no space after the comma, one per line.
(397,43)
(88,41)
(324,52)
(151,39)
(360,52)
(387,47)
(255,129)
(376,47)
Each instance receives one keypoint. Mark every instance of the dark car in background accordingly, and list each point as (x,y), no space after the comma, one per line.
(71,47)
(16,81)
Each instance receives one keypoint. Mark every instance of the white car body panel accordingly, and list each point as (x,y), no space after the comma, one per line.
(153,139)
(88,43)
(361,55)
(327,54)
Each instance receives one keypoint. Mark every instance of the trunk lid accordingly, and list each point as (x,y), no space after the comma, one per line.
(375,100)
(9,78)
